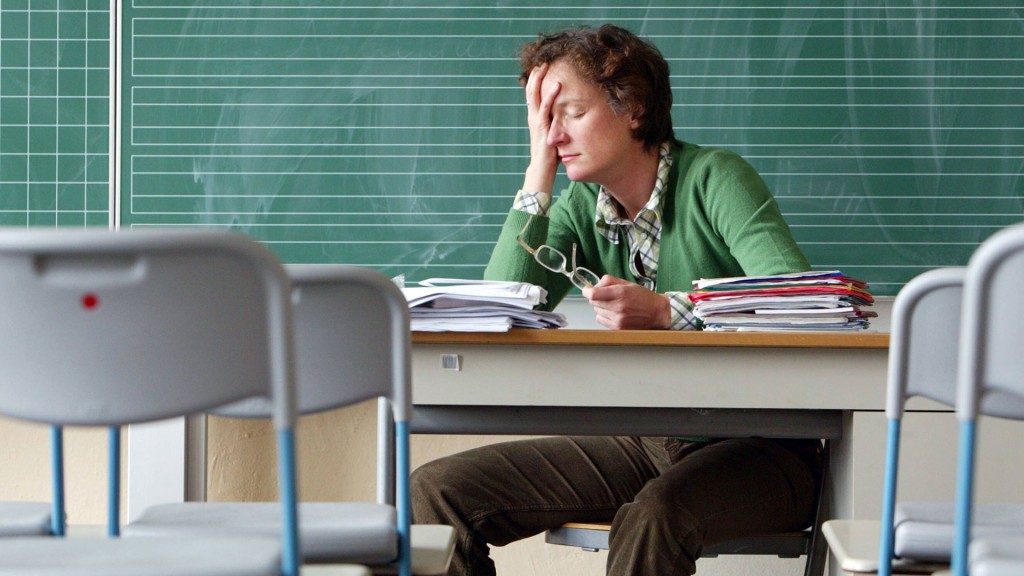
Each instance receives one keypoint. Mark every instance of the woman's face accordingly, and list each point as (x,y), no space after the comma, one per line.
(593,143)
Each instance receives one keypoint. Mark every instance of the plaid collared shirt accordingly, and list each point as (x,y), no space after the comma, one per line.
(643,235)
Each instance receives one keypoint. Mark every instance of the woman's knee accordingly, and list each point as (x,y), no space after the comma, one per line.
(431,487)
(659,505)
(428,477)
(650,537)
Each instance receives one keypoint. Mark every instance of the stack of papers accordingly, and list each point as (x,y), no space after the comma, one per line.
(442,304)
(801,301)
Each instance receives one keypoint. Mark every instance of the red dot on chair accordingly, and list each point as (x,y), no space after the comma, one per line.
(90,301)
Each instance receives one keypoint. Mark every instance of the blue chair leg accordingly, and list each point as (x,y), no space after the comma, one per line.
(114,483)
(290,553)
(404,507)
(57,524)
(887,535)
(964,496)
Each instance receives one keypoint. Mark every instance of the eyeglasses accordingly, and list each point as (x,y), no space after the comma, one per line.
(555,261)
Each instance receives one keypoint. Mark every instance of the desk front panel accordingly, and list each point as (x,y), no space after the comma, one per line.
(645,376)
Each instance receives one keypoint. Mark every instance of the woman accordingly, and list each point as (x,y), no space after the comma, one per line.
(645,215)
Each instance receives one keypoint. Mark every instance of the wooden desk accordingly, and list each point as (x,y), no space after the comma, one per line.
(654,383)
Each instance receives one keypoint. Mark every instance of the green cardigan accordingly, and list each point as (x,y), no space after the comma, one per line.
(719,219)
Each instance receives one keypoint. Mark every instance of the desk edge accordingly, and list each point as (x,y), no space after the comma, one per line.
(564,337)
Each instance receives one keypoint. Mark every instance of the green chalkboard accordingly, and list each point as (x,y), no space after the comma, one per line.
(392,134)
(55,84)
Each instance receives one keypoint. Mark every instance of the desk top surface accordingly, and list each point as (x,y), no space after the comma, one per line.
(565,337)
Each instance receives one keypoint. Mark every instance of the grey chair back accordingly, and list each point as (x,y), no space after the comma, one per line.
(104,328)
(110,328)
(342,304)
(991,371)
(924,339)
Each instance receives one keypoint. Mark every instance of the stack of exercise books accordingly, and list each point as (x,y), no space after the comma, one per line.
(801,301)
(443,304)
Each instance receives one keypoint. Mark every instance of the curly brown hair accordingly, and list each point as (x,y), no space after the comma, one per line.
(632,72)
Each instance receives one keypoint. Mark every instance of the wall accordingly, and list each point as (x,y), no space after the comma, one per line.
(25,474)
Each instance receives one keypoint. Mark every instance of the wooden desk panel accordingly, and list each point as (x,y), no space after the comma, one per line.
(599,368)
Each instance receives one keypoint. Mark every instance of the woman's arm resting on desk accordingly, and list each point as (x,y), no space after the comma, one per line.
(622,305)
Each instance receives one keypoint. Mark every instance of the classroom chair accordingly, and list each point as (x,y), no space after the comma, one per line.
(107,328)
(353,344)
(922,362)
(593,536)
(990,381)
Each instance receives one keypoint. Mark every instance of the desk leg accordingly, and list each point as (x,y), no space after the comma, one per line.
(842,481)
(156,462)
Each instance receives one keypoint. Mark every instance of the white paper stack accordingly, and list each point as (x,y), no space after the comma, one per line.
(443,304)
(802,301)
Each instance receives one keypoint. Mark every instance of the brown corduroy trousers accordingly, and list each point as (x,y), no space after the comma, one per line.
(667,498)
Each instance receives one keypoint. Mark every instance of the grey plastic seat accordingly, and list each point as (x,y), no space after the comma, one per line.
(991,382)
(109,328)
(924,530)
(353,344)
(24,519)
(996,555)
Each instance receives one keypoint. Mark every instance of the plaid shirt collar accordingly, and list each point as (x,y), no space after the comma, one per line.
(607,218)
(644,232)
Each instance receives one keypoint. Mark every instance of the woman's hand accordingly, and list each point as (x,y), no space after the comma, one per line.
(622,305)
(540,174)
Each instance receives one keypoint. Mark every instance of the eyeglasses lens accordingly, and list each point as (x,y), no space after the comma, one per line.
(583,278)
(550,258)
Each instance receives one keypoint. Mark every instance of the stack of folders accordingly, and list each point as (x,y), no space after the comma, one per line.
(802,301)
(441,304)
